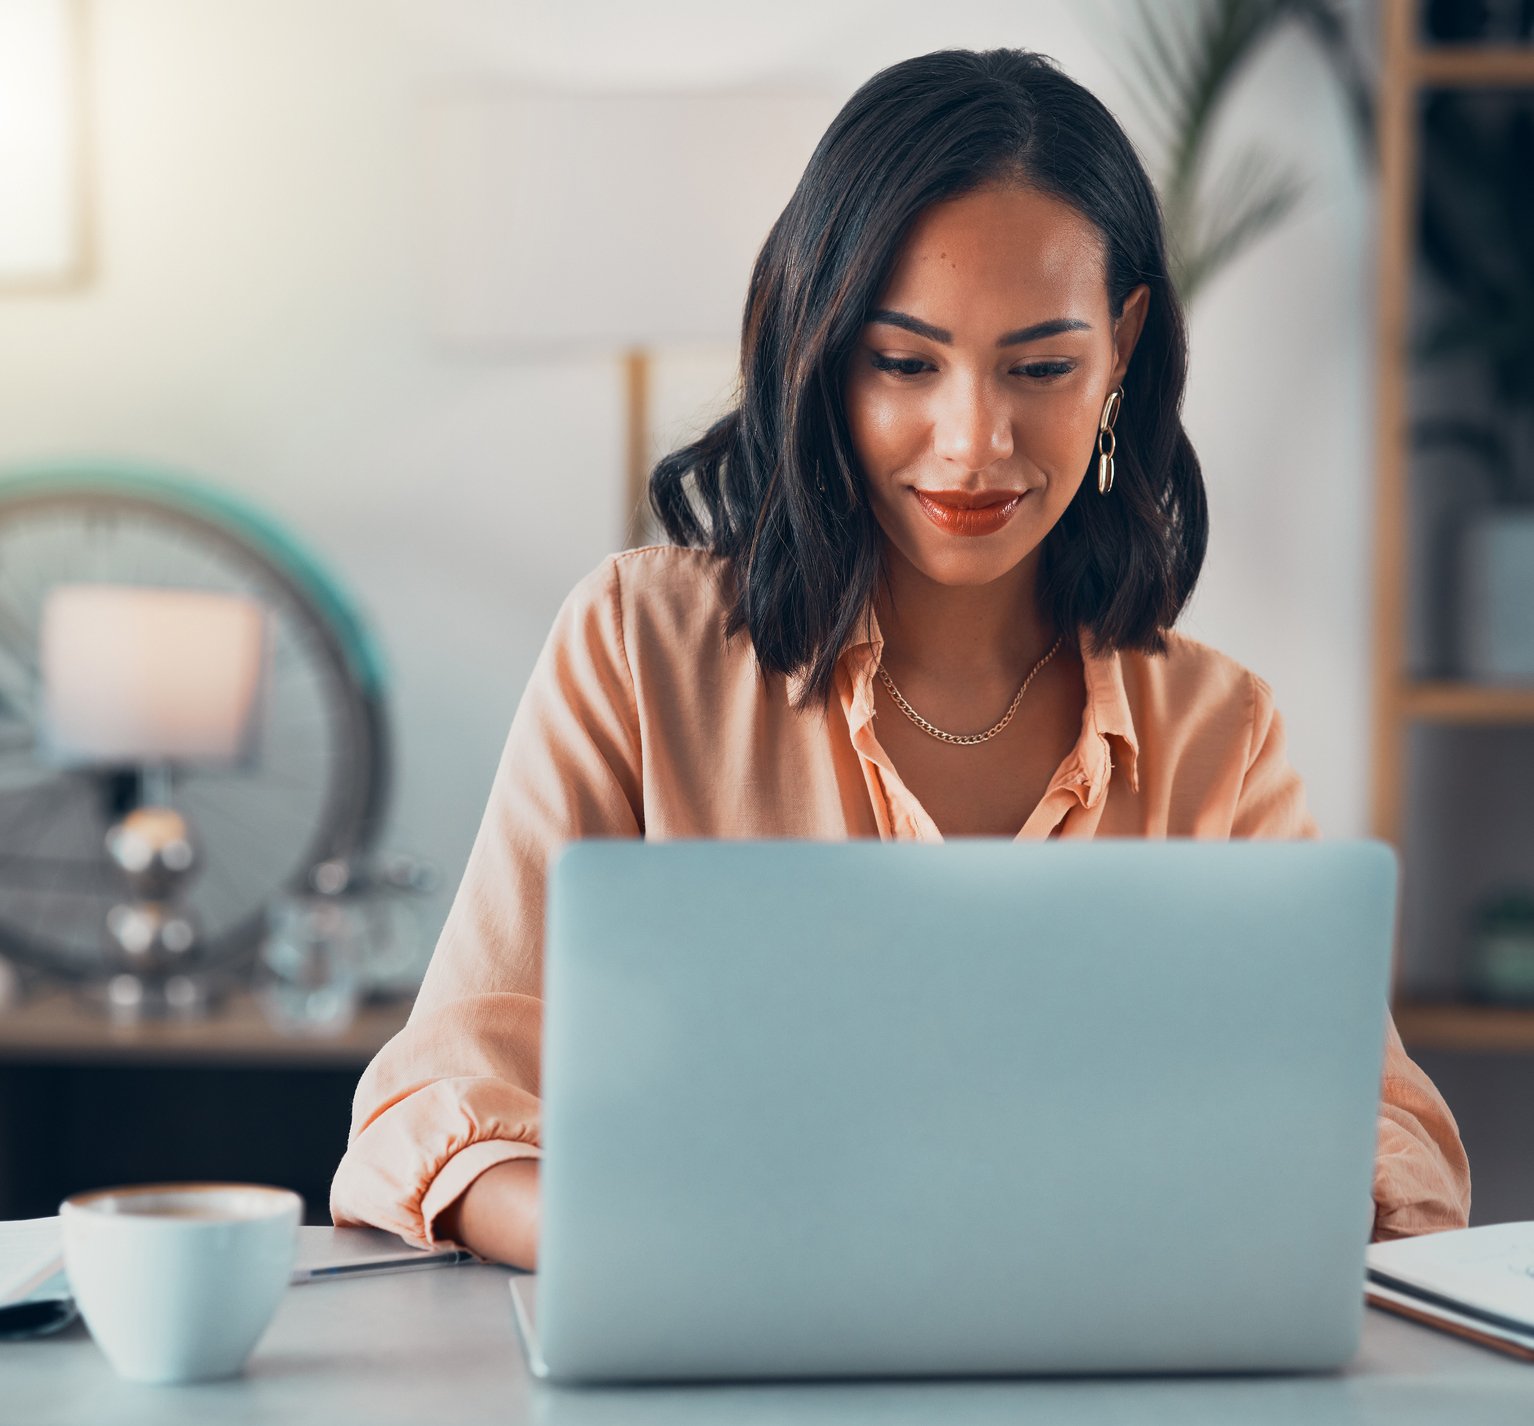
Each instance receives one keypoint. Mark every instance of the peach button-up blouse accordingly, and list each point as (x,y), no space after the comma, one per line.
(640,719)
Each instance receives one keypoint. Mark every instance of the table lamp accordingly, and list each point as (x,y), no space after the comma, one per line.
(565,222)
(149,680)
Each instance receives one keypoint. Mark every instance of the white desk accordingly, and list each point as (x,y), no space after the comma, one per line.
(439,1348)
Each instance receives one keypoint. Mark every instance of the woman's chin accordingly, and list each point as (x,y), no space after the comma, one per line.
(967,564)
(959,561)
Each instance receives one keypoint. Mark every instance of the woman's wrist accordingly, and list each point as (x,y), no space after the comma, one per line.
(496,1216)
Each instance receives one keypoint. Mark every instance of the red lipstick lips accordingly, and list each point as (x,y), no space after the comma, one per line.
(969,512)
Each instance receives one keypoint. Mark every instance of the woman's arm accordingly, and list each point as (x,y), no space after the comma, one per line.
(452,1100)
(497,1215)
(1421,1175)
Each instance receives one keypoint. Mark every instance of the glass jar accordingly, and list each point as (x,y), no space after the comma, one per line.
(309,973)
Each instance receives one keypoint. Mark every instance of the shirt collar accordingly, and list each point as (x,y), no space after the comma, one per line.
(1108,714)
(1107,708)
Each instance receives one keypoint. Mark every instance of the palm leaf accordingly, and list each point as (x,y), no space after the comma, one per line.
(1183,63)
(1327,23)
(1249,198)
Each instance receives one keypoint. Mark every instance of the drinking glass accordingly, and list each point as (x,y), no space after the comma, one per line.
(309,973)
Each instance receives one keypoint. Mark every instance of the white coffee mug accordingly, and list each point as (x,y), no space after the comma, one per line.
(178,1281)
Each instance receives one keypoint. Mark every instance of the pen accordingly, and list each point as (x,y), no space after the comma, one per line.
(382,1265)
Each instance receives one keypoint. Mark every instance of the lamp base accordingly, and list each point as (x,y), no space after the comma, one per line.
(129,998)
(150,939)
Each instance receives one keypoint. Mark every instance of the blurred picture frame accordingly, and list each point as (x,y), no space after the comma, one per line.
(44,208)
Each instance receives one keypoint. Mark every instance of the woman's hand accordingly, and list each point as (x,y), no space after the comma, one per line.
(496,1216)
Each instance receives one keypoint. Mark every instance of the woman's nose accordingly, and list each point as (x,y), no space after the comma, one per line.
(972,426)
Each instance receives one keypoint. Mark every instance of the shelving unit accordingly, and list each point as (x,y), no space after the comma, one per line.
(1409,68)
(1466,703)
(53,1028)
(1459,1027)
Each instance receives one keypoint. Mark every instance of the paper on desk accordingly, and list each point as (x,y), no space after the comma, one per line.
(1489,1269)
(31,1265)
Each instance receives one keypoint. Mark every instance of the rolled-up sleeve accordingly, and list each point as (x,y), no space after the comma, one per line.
(1421,1175)
(456,1091)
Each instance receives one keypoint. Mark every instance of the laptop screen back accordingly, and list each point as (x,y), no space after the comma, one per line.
(983,1106)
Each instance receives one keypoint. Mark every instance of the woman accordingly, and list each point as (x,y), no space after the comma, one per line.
(923,584)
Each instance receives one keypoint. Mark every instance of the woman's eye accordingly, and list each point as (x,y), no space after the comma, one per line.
(1047,370)
(901,366)
(915,366)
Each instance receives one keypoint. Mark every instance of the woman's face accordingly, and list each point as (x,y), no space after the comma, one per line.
(980,377)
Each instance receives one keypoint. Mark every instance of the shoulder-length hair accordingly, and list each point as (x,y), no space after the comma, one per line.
(774,488)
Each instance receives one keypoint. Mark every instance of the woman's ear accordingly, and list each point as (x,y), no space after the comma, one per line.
(1127,329)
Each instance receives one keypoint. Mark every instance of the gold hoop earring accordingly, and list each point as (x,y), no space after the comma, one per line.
(1107,444)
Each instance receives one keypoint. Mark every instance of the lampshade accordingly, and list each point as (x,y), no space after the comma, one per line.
(139,676)
(601,220)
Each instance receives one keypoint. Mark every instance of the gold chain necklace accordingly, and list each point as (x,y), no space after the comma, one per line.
(966,739)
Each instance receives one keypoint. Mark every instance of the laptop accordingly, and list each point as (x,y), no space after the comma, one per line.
(982,1107)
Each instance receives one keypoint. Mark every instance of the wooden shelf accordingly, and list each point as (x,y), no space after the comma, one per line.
(1408,69)
(1467,703)
(1432,1026)
(1472,66)
(54,1028)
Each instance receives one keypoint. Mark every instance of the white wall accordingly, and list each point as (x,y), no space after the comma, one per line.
(254,318)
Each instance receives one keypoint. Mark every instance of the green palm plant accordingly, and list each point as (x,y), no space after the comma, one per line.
(1186,60)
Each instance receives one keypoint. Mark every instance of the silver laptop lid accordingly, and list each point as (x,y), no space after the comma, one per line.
(828,1109)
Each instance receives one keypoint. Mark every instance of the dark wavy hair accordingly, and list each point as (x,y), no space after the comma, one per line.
(774,488)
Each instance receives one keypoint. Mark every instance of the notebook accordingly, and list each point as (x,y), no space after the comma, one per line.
(35,1296)
(34,1293)
(1477,1283)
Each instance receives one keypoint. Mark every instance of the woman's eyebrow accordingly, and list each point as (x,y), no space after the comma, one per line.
(1052,328)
